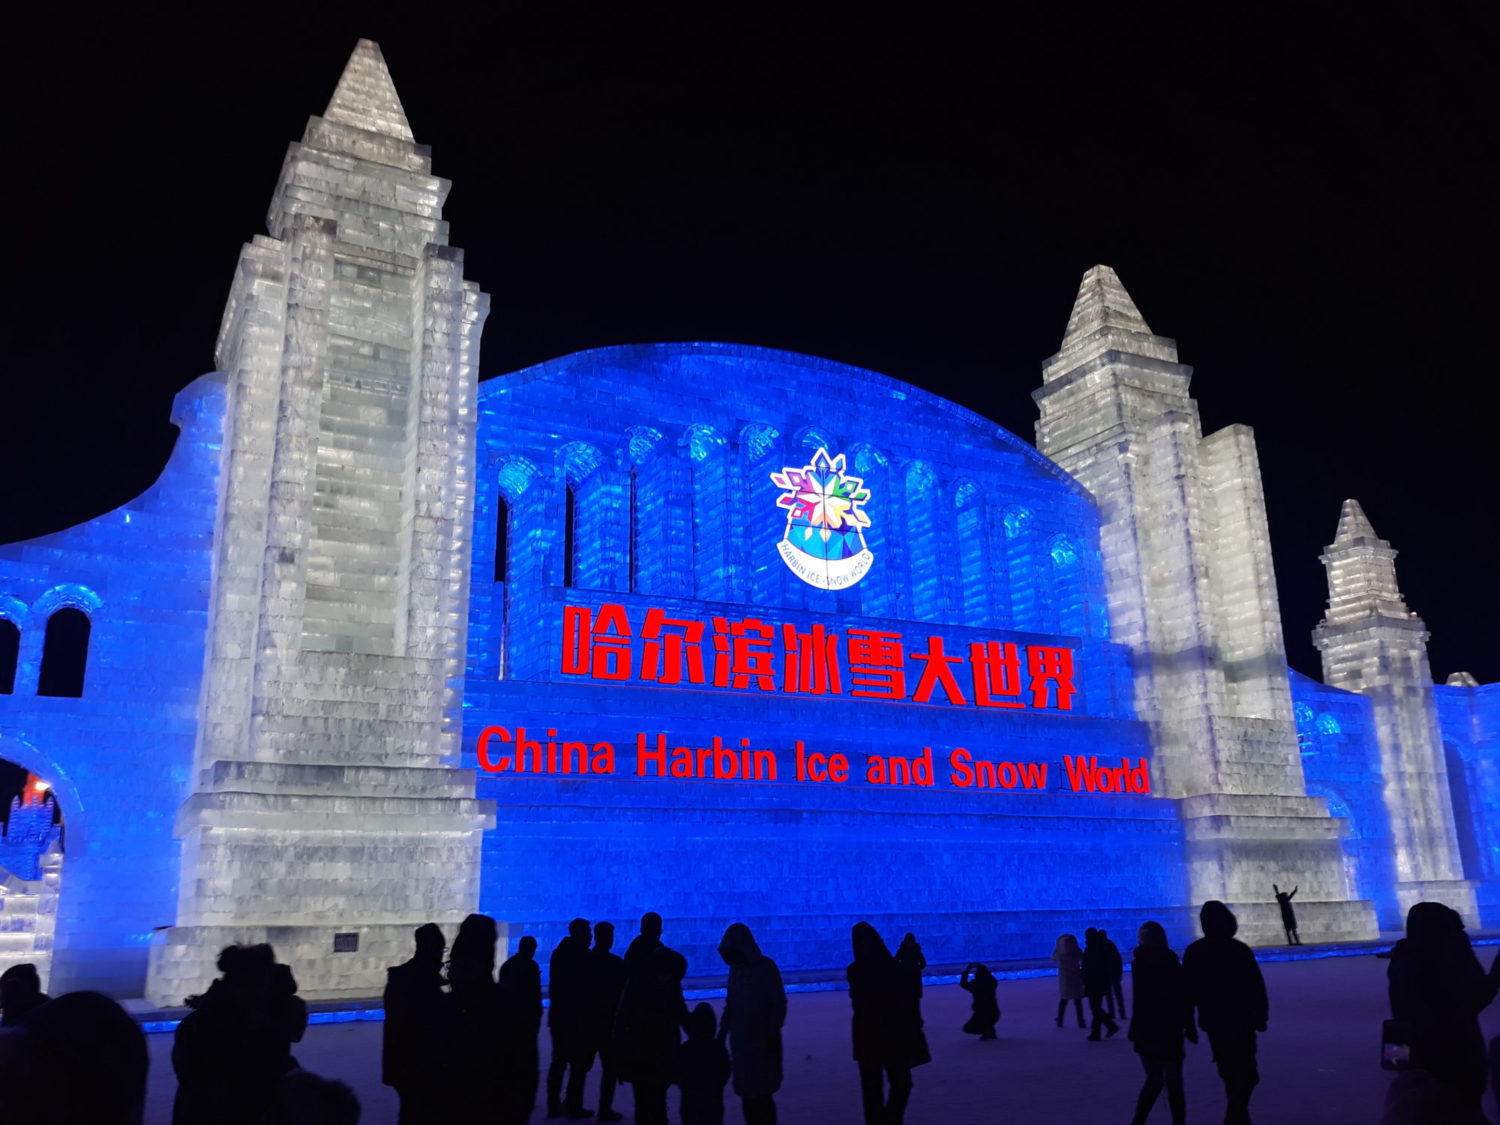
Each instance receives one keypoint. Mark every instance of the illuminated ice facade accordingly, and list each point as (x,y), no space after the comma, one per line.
(663,457)
(276,738)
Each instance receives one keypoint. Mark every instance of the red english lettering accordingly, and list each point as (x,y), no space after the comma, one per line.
(963,772)
(1033,775)
(644,756)
(486,763)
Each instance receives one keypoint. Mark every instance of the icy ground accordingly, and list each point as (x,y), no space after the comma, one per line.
(1319,1061)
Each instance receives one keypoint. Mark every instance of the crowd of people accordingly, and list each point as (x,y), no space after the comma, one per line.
(461,1039)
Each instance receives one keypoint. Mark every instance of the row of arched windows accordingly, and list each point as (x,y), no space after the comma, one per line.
(661,521)
(65,652)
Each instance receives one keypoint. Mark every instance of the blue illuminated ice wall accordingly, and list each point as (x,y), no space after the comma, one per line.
(1341,763)
(118,755)
(667,451)
(1469,717)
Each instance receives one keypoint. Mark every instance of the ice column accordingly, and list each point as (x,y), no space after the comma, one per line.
(1371,643)
(326,814)
(1192,591)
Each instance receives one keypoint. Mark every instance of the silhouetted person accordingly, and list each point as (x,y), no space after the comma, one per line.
(78,1059)
(887,1028)
(754,1014)
(606,983)
(911,960)
(20,992)
(569,1019)
(1437,990)
(1288,915)
(415,1037)
(1163,1019)
(648,1023)
(1225,987)
(521,1021)
(1115,1001)
(477,1040)
(1098,980)
(701,1069)
(288,1010)
(1069,960)
(233,1048)
(980,983)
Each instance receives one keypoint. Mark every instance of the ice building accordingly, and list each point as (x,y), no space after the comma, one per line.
(725,632)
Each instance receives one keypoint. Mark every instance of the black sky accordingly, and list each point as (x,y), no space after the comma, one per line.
(1299,195)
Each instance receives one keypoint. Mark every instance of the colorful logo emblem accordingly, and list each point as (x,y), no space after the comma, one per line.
(824,542)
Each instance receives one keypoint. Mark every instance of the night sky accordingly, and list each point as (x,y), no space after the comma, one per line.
(1298,198)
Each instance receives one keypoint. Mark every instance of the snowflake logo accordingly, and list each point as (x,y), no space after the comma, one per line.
(822,495)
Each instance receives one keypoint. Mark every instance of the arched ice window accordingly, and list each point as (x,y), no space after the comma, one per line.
(65,653)
(10,654)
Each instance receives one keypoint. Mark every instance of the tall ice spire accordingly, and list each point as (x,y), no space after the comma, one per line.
(1372,644)
(325,812)
(1104,319)
(1192,591)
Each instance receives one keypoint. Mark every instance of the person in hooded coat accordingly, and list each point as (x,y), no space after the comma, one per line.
(649,1021)
(520,991)
(1437,989)
(417,1017)
(886,1027)
(1228,992)
(1163,1019)
(980,983)
(754,1014)
(478,1062)
(1069,960)
(1098,980)
(568,1019)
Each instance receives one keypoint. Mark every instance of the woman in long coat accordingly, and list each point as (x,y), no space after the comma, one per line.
(1069,960)
(887,1028)
(1163,1019)
(754,1013)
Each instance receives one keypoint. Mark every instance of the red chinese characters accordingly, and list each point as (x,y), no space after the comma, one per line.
(750,654)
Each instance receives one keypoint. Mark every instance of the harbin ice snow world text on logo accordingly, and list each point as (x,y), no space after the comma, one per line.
(824,542)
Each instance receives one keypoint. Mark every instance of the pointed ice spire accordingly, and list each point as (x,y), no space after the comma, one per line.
(1102,302)
(366,97)
(1353,524)
(1105,320)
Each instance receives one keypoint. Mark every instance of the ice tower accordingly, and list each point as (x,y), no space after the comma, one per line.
(1372,644)
(326,814)
(1191,590)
